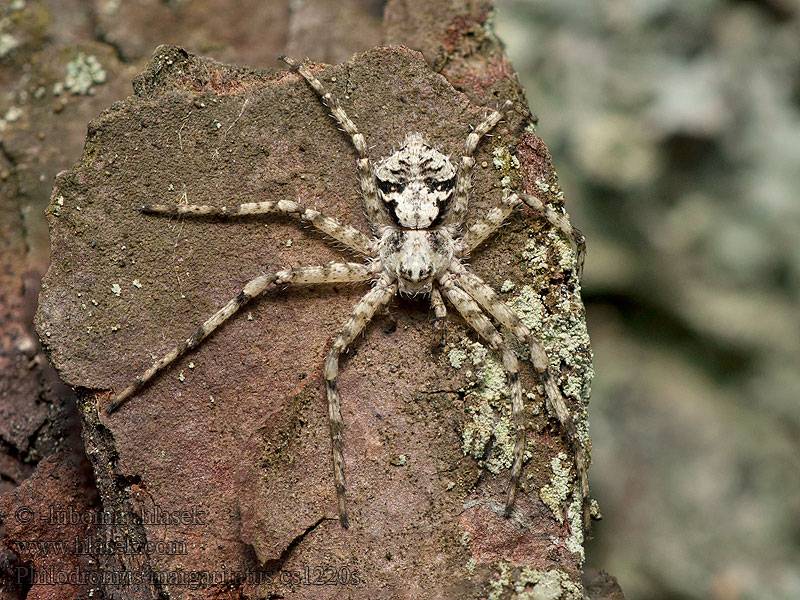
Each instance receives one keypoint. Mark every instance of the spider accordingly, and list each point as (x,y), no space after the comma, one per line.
(416,201)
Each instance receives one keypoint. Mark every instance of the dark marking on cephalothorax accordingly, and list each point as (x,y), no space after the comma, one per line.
(392,206)
(396,241)
(438,241)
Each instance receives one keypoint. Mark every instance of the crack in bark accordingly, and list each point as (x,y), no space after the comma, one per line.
(276,564)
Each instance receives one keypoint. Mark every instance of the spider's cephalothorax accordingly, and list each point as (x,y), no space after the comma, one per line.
(416,257)
(415,200)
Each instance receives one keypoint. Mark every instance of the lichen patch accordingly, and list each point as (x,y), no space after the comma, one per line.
(527,583)
(83,73)
(489,417)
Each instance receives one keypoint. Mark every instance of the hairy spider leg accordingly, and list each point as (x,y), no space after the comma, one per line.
(440,312)
(560,222)
(347,235)
(330,273)
(355,324)
(376,214)
(474,316)
(480,230)
(460,204)
(486,297)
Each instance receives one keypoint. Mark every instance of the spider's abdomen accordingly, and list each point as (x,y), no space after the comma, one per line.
(416,258)
(416,207)
(415,184)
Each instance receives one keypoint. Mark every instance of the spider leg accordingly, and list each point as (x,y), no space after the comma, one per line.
(473,315)
(355,324)
(347,235)
(440,312)
(375,212)
(479,231)
(458,208)
(560,222)
(330,273)
(494,305)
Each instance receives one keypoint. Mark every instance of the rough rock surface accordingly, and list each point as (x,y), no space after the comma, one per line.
(123,287)
(52,532)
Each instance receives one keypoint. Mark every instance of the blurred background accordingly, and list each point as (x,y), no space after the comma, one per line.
(675,130)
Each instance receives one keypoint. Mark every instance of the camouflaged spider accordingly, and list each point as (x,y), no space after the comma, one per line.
(416,201)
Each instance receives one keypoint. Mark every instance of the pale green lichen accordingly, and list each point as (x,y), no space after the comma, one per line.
(500,583)
(552,189)
(507,164)
(560,325)
(7,44)
(575,517)
(489,412)
(555,493)
(57,208)
(529,307)
(116,289)
(83,72)
(466,538)
(457,357)
(470,566)
(532,584)
(547,585)
(556,253)
(555,315)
